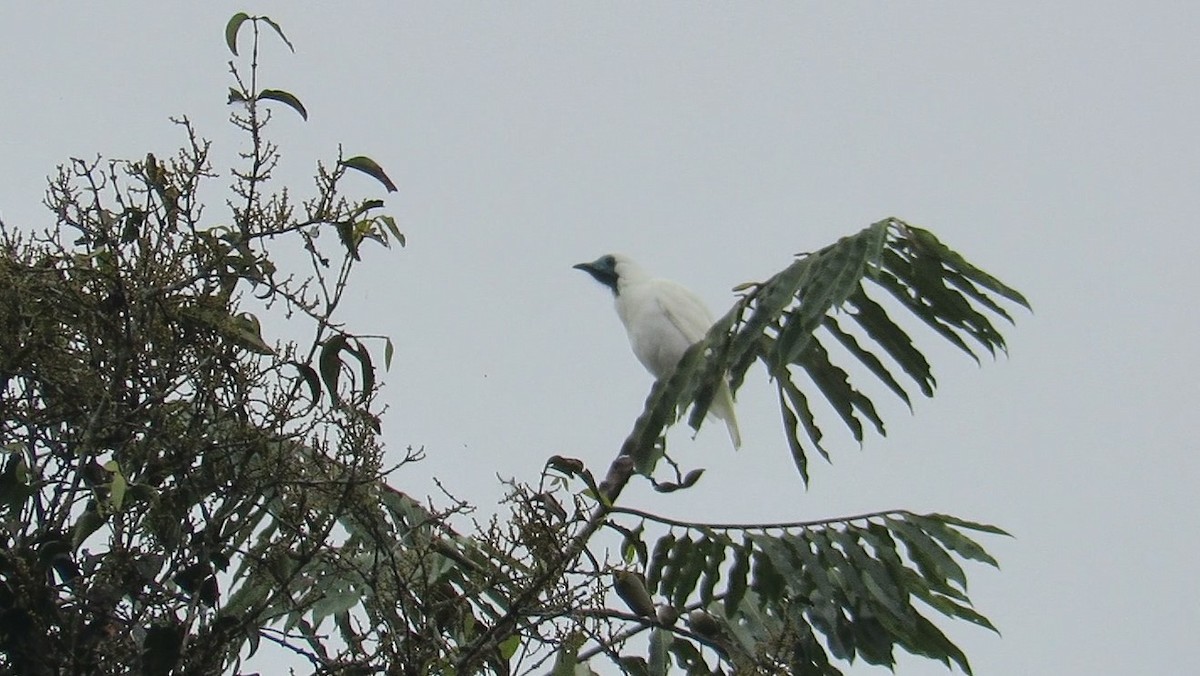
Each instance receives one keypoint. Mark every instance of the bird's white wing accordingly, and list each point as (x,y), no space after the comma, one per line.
(684,309)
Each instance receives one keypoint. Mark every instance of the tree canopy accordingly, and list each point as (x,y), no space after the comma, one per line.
(178,487)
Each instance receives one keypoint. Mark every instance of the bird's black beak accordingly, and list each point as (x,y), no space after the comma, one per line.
(606,275)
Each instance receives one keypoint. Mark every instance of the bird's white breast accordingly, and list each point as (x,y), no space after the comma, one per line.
(663,319)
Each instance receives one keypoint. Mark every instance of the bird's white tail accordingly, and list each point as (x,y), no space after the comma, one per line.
(722,407)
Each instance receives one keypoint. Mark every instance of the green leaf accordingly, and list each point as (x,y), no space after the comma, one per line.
(929,242)
(768,303)
(931,642)
(509,646)
(735,590)
(872,639)
(278,31)
(330,363)
(847,578)
(388,351)
(833,276)
(952,608)
(756,621)
(645,443)
(369,167)
(717,547)
(286,98)
(310,378)
(658,561)
(690,571)
(390,224)
(867,358)
(689,657)
(934,563)
(790,425)
(971,525)
(901,292)
(954,540)
(828,619)
(880,538)
(766,580)
(880,584)
(660,658)
(924,281)
(335,600)
(677,560)
(363,355)
(929,277)
(834,384)
(87,523)
(799,404)
(966,286)
(812,570)
(232,28)
(880,328)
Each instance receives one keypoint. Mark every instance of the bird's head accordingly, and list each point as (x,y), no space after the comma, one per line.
(604,269)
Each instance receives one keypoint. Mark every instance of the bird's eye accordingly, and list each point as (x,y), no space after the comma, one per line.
(609,262)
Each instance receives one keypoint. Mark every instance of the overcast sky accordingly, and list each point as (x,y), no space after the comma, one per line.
(1054,144)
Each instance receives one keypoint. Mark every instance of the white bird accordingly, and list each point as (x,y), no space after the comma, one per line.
(663,319)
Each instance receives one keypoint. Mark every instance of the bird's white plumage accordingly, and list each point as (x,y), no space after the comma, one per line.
(663,319)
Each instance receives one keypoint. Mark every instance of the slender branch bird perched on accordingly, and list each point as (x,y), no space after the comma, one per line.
(663,319)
